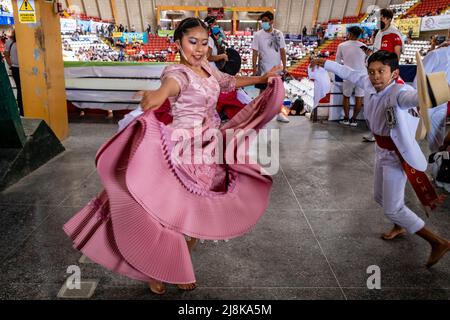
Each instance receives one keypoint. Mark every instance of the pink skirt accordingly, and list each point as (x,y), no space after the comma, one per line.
(137,226)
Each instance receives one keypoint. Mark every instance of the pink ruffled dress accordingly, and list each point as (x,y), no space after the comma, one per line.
(137,225)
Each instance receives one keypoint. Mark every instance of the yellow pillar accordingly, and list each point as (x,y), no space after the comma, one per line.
(114,10)
(158,16)
(234,21)
(315,12)
(359,7)
(42,67)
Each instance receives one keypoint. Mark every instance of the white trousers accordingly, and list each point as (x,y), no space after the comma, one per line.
(389,190)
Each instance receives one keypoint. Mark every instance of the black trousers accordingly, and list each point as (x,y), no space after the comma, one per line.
(16,77)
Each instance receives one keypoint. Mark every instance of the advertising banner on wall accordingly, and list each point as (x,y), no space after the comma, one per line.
(131,37)
(6,12)
(435,23)
(404,25)
(340,30)
(68,25)
(166,33)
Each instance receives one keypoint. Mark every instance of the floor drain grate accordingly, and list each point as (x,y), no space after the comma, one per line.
(86,290)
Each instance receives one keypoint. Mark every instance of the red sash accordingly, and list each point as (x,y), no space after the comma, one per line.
(418,179)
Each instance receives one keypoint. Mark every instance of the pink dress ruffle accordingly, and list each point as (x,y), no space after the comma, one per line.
(137,225)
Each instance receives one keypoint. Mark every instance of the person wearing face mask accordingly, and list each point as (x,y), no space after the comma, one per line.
(158,200)
(214,43)
(389,109)
(268,51)
(388,38)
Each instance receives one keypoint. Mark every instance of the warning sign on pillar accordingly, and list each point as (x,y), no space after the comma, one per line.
(27,11)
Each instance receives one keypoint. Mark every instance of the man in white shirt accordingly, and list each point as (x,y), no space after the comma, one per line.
(349,53)
(268,51)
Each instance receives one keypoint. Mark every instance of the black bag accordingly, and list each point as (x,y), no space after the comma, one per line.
(233,65)
(443,174)
(298,107)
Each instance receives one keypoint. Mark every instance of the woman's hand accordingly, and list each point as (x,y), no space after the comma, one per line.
(149,99)
(224,57)
(272,73)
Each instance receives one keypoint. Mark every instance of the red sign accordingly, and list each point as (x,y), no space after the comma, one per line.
(216,12)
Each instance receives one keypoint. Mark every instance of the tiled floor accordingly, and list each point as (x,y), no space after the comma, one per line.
(316,240)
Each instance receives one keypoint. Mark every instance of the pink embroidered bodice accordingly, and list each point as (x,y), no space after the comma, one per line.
(196,103)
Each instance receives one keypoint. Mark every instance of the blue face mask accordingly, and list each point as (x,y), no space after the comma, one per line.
(216,30)
(265,26)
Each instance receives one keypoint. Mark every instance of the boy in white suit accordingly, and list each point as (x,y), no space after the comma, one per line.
(389,110)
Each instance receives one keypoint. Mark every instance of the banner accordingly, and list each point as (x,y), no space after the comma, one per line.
(340,30)
(132,37)
(68,25)
(404,25)
(6,12)
(86,26)
(166,33)
(435,23)
(216,12)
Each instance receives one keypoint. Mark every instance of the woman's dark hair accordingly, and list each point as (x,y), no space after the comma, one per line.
(385,57)
(185,25)
(387,13)
(266,14)
(355,31)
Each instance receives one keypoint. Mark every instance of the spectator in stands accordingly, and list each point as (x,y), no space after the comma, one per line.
(349,53)
(216,52)
(149,29)
(122,54)
(410,35)
(12,59)
(304,31)
(75,36)
(320,33)
(268,51)
(133,28)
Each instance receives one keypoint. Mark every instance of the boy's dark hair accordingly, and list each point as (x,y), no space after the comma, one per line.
(187,24)
(387,13)
(266,14)
(385,57)
(355,31)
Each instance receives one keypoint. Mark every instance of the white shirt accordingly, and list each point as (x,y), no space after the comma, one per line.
(212,45)
(376,103)
(438,60)
(12,49)
(350,54)
(268,56)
